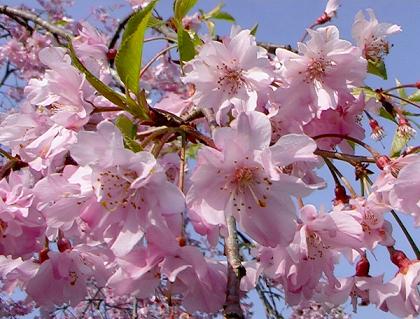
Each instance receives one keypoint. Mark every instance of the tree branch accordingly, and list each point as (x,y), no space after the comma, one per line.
(345,157)
(232,307)
(20,13)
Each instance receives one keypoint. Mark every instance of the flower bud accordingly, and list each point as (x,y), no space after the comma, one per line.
(382,161)
(362,267)
(63,244)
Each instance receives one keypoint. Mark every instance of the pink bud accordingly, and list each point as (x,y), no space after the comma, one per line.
(362,267)
(382,161)
(63,244)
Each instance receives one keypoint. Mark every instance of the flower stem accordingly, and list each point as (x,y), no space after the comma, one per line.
(407,234)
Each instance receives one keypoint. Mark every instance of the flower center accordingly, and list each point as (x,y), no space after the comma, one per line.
(114,189)
(370,219)
(243,177)
(317,68)
(376,49)
(244,183)
(316,247)
(230,79)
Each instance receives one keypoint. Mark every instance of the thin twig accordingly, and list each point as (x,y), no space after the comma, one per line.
(117,33)
(407,234)
(161,52)
(344,157)
(349,138)
(13,12)
(7,155)
(402,99)
(209,115)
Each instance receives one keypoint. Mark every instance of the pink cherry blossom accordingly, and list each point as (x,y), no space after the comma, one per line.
(59,278)
(371,35)
(405,195)
(63,90)
(398,192)
(202,282)
(244,179)
(343,120)
(400,295)
(231,73)
(21,226)
(370,215)
(131,188)
(325,66)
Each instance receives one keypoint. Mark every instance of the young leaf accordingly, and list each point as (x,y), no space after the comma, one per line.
(254,30)
(128,59)
(385,114)
(132,144)
(126,126)
(401,91)
(368,91)
(398,143)
(128,130)
(377,68)
(185,45)
(101,87)
(182,7)
(415,97)
(222,15)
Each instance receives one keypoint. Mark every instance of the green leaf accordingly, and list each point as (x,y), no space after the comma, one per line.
(141,108)
(132,144)
(126,126)
(352,145)
(385,114)
(193,150)
(182,7)
(211,27)
(154,22)
(377,68)
(128,58)
(101,87)
(254,30)
(398,143)
(185,45)
(401,91)
(222,15)
(368,91)
(128,130)
(415,97)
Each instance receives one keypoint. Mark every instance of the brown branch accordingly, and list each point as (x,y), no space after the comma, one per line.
(232,307)
(345,157)
(349,138)
(20,13)
(209,115)
(196,113)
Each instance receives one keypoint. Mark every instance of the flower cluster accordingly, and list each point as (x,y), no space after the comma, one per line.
(135,204)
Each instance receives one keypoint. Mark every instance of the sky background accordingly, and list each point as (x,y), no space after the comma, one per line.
(283,22)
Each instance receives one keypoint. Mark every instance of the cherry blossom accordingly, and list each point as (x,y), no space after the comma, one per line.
(189,196)
(245,179)
(371,35)
(231,73)
(325,66)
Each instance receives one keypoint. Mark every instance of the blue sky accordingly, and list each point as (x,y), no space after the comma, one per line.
(283,22)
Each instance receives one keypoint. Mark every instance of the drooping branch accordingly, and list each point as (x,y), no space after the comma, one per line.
(20,13)
(407,234)
(236,271)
